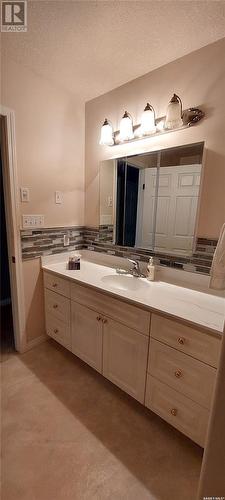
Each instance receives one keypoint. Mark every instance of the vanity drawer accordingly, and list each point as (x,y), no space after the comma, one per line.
(58,330)
(130,315)
(57,284)
(196,343)
(178,410)
(189,376)
(57,305)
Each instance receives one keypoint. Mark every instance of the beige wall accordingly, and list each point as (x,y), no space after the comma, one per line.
(33,299)
(50,144)
(199,79)
(106,174)
(50,157)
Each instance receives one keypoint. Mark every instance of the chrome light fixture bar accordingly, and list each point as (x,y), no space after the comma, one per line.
(175,119)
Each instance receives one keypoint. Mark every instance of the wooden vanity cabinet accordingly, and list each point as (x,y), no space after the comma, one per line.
(102,336)
(181,375)
(179,411)
(125,354)
(170,367)
(127,314)
(109,335)
(86,335)
(113,349)
(57,317)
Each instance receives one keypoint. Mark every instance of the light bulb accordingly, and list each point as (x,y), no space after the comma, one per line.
(107,137)
(126,128)
(160,125)
(174,113)
(148,120)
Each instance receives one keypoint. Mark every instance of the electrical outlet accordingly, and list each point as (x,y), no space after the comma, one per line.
(58,197)
(33,221)
(24,195)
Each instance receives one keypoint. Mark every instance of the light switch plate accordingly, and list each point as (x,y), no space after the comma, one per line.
(24,194)
(58,197)
(66,240)
(33,221)
(110,201)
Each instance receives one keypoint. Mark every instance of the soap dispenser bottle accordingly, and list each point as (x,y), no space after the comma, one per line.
(150,270)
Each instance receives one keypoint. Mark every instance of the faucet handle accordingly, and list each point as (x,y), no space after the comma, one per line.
(134,262)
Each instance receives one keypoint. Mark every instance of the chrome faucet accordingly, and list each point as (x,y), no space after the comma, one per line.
(135,270)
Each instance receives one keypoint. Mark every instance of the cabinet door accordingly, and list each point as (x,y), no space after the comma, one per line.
(125,358)
(86,329)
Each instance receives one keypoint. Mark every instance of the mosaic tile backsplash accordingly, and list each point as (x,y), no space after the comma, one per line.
(47,241)
(36,243)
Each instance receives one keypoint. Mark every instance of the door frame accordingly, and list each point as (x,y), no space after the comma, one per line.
(12,213)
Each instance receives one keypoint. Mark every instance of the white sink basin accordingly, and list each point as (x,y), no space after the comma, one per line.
(125,282)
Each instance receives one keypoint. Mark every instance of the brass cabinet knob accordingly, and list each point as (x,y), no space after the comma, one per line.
(54,285)
(55,306)
(181,340)
(98,318)
(173,412)
(104,320)
(178,373)
(56,330)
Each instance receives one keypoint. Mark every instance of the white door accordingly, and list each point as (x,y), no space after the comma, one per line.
(146,208)
(86,332)
(176,208)
(125,358)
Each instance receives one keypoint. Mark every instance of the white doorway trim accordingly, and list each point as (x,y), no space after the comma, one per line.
(11,195)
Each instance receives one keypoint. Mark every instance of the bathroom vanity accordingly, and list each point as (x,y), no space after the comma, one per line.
(158,342)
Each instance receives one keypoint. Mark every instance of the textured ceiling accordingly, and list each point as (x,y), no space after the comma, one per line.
(91,47)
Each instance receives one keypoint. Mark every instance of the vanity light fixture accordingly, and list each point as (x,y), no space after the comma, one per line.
(148,120)
(174,113)
(175,119)
(107,135)
(126,127)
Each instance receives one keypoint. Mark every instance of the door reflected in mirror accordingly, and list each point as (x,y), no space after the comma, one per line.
(151,200)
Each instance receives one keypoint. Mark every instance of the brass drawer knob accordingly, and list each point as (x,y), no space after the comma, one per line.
(55,306)
(181,340)
(173,412)
(104,320)
(98,318)
(56,330)
(178,373)
(54,285)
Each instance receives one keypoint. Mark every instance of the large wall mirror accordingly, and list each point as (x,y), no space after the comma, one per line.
(151,200)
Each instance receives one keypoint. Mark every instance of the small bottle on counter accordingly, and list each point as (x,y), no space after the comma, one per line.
(70,263)
(150,270)
(74,262)
(77,263)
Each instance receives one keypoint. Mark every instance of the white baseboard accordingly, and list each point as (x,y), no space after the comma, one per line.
(33,343)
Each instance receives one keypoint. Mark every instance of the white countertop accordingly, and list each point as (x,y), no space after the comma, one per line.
(200,308)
